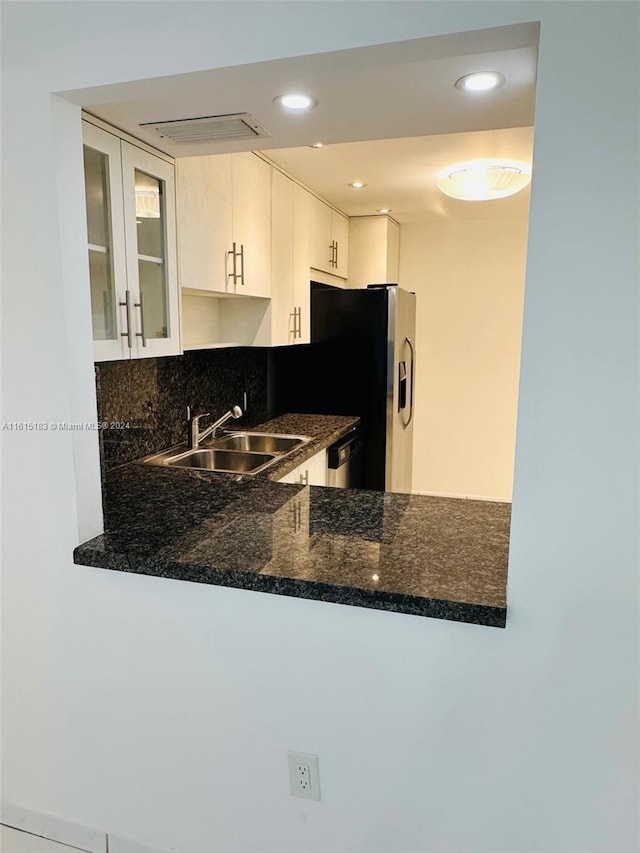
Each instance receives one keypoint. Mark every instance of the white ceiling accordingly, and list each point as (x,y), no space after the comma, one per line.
(390,93)
(401,173)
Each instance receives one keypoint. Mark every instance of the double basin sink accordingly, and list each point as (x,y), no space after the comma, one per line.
(232,453)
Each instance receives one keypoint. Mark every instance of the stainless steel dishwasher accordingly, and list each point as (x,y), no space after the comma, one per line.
(344,461)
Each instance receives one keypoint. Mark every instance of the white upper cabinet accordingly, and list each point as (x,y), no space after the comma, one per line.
(374,250)
(340,237)
(301,273)
(150,240)
(105,235)
(250,272)
(245,229)
(130,200)
(322,250)
(283,311)
(329,239)
(290,233)
(224,229)
(205,221)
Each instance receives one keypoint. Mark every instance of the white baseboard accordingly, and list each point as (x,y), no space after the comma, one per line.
(462,497)
(83,838)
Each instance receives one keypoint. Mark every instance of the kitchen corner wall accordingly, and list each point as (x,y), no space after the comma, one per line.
(144,402)
(469,277)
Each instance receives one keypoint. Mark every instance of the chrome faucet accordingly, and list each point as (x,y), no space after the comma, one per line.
(195,436)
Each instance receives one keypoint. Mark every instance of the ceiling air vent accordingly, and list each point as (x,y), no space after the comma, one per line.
(190,131)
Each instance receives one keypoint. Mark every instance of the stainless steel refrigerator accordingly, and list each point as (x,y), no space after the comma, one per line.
(361,361)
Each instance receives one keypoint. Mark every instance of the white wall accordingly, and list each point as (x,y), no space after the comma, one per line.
(468,276)
(162,710)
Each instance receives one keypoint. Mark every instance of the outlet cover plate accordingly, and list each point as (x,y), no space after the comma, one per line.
(304,778)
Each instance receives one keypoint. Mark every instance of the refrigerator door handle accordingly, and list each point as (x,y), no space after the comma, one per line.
(406,423)
(402,385)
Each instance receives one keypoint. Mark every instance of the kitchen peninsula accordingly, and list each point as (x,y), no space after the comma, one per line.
(414,554)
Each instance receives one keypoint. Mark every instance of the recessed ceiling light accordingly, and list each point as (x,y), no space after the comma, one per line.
(483,180)
(295,101)
(383,210)
(481,81)
(357,185)
(316,145)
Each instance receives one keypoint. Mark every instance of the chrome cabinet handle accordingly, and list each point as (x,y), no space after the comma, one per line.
(331,254)
(141,333)
(297,322)
(241,276)
(336,263)
(127,307)
(234,272)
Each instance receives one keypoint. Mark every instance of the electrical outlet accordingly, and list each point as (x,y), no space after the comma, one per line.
(304,778)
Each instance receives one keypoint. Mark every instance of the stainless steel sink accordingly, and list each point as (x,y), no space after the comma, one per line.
(232,461)
(233,453)
(259,442)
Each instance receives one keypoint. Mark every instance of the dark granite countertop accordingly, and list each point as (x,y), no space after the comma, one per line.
(427,556)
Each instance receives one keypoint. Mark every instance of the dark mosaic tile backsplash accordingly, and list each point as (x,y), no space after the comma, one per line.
(152,395)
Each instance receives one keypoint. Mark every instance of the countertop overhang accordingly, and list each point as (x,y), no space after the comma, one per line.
(439,557)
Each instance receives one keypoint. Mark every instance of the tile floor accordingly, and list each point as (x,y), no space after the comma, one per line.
(16,841)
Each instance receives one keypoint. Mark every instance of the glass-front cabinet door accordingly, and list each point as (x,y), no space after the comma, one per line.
(105,234)
(150,239)
(131,231)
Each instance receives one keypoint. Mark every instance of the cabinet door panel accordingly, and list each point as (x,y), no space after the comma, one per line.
(106,246)
(321,250)
(252,224)
(340,234)
(150,223)
(301,252)
(317,467)
(282,225)
(204,191)
(313,472)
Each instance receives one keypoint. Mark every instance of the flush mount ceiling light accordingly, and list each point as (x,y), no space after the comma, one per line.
(383,210)
(316,145)
(483,180)
(357,185)
(481,81)
(296,101)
